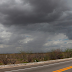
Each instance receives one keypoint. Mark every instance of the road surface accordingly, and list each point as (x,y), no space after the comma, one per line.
(65,66)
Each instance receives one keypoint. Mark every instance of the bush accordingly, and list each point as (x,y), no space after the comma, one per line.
(1,63)
(68,52)
(5,61)
(29,58)
(37,60)
(46,57)
(56,54)
(12,61)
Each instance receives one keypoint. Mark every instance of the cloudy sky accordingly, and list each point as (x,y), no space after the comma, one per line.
(35,25)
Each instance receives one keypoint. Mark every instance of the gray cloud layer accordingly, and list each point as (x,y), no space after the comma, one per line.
(32,11)
(38,18)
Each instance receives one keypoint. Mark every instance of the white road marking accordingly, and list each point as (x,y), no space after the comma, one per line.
(39,66)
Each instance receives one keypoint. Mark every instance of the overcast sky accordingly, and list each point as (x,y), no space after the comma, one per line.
(35,25)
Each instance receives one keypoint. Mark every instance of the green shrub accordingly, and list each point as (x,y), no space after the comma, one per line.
(68,52)
(1,63)
(37,60)
(45,58)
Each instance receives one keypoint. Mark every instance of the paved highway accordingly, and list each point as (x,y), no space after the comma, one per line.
(65,66)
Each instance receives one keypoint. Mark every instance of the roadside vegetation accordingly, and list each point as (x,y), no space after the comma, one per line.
(24,57)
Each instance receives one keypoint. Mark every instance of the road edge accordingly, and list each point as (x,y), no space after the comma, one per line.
(33,63)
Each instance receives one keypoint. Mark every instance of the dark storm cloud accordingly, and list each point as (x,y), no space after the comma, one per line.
(54,14)
(40,19)
(38,11)
(51,13)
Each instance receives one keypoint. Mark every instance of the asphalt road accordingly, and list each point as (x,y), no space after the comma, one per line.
(65,66)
